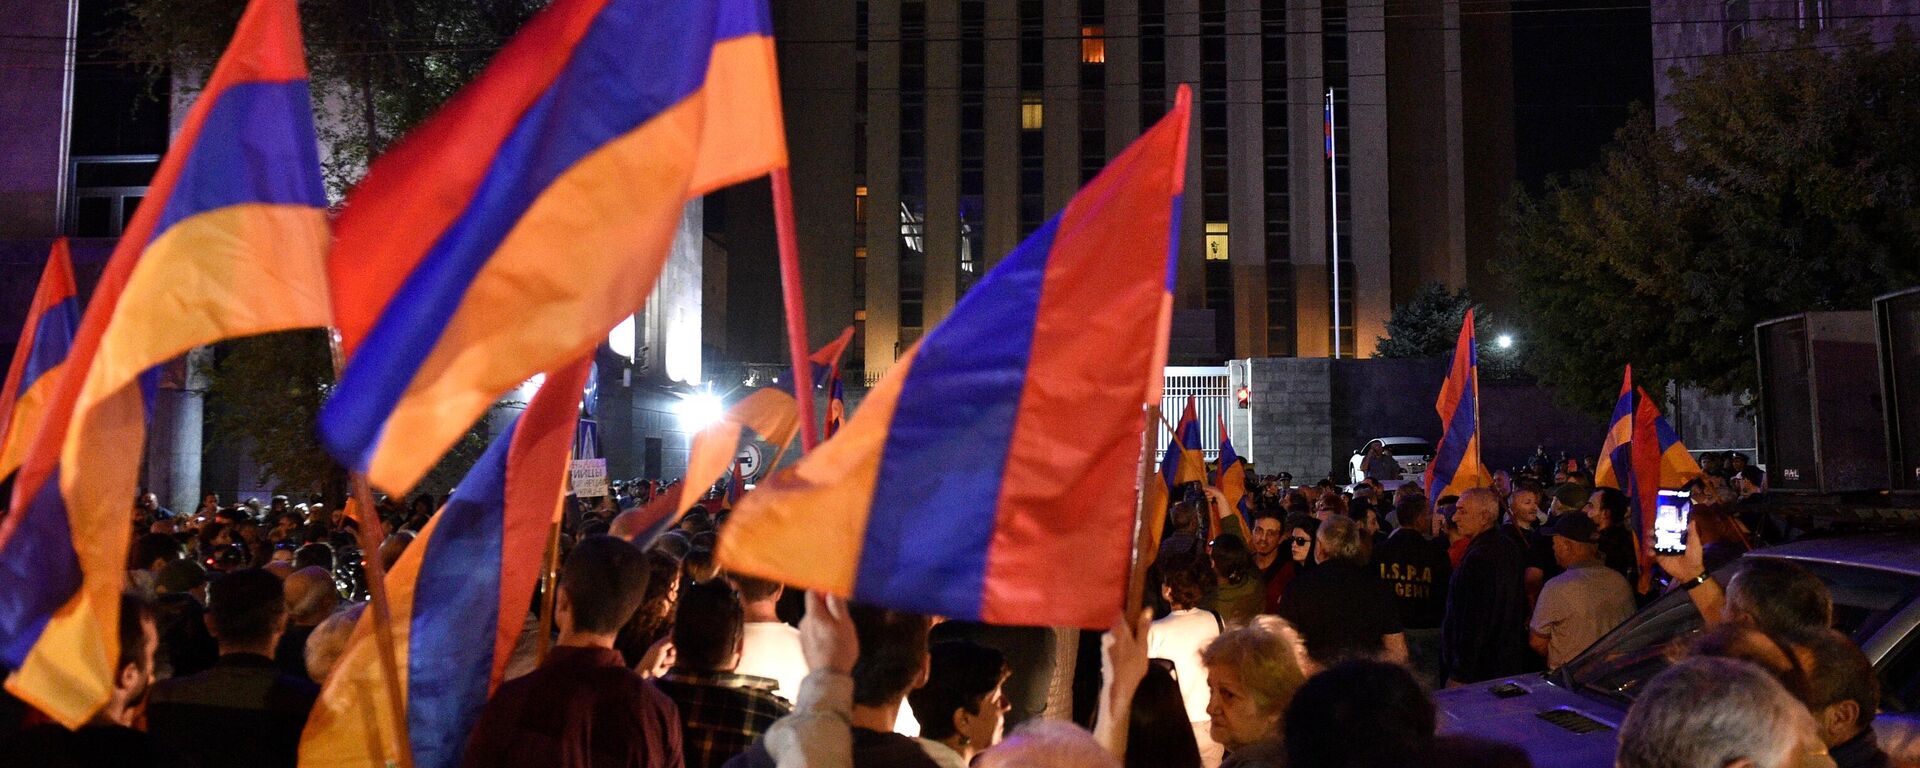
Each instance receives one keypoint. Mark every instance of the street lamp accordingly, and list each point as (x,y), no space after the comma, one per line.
(1504,341)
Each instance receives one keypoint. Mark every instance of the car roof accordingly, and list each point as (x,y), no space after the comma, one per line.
(1895,552)
(1400,440)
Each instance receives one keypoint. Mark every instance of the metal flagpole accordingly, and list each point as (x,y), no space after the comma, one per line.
(1333,182)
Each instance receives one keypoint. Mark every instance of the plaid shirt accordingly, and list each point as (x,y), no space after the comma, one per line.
(721,713)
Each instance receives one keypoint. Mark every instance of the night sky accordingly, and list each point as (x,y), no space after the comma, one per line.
(1577,65)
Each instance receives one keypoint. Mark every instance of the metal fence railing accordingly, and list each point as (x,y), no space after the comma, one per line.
(1212,397)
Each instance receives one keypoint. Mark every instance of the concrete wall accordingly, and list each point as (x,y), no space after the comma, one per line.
(1307,416)
(1292,415)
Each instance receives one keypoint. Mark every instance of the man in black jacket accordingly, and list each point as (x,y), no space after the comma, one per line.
(243,711)
(1484,633)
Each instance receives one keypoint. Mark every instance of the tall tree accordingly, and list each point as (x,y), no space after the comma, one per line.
(1426,326)
(1789,181)
(265,392)
(378,66)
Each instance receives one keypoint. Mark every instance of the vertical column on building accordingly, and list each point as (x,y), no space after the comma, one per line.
(1279,335)
(823,191)
(1123,75)
(1246,181)
(1307,86)
(883,187)
(943,159)
(1061,99)
(1002,181)
(1215,192)
(1365,156)
(1183,66)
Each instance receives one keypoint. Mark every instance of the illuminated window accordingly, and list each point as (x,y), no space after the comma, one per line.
(1216,241)
(1093,45)
(860,315)
(1033,114)
(860,252)
(860,204)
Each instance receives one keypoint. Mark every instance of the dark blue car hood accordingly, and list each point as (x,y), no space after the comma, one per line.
(1473,710)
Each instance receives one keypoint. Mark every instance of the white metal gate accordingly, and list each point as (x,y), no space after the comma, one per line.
(1212,397)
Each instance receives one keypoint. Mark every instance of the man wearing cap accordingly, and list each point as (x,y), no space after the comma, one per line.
(1585,601)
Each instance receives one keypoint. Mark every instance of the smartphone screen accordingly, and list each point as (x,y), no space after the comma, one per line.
(1670,522)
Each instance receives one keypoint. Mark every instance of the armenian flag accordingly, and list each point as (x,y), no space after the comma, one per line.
(38,360)
(1456,462)
(836,405)
(1183,462)
(953,491)
(1677,465)
(825,361)
(1673,464)
(770,412)
(548,190)
(229,241)
(459,595)
(1231,474)
(1614,469)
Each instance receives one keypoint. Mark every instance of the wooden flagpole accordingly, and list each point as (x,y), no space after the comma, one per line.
(796,305)
(549,581)
(371,532)
(1137,573)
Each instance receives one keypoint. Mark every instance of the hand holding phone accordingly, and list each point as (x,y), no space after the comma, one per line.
(1670,519)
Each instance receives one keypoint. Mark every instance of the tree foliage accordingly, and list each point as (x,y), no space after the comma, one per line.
(1427,326)
(265,393)
(378,67)
(1789,181)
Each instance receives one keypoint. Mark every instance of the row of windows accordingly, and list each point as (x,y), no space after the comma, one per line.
(1214,138)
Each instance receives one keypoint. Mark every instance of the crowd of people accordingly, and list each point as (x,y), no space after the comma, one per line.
(1307,627)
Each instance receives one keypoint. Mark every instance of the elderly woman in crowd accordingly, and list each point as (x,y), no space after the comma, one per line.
(1252,672)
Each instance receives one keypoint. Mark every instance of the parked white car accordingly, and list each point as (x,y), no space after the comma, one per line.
(1411,453)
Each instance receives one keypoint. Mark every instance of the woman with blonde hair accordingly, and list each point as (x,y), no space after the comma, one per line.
(1252,674)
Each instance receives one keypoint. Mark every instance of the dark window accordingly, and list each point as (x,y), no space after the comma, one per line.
(655,463)
(1279,214)
(1153,62)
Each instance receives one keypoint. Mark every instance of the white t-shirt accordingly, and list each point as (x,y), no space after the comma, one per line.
(1178,638)
(772,649)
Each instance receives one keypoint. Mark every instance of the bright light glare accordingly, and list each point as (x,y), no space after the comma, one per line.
(621,338)
(1504,341)
(699,411)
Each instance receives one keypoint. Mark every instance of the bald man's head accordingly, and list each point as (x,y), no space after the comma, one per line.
(1476,511)
(311,596)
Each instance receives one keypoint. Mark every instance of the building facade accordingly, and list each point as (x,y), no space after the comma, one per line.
(1687,33)
(931,137)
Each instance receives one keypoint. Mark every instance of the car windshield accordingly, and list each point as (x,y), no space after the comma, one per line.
(1421,450)
(1616,666)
